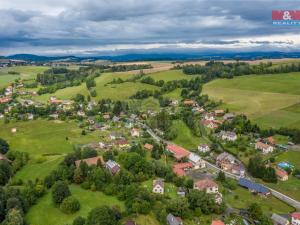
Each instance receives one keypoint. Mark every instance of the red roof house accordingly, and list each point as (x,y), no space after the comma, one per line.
(177,151)
(217,222)
(180,168)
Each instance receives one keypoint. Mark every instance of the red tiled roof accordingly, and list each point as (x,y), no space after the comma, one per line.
(296,215)
(90,161)
(206,183)
(178,151)
(262,145)
(121,142)
(179,168)
(217,222)
(280,173)
(188,102)
(5,100)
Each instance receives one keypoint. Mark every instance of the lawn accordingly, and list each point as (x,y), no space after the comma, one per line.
(144,105)
(26,72)
(5,80)
(40,137)
(175,94)
(45,213)
(35,169)
(146,220)
(170,75)
(104,90)
(245,198)
(185,137)
(262,98)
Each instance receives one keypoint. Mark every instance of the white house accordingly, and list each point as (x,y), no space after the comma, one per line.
(196,160)
(135,132)
(158,186)
(203,148)
(228,135)
(295,218)
(209,186)
(265,148)
(209,116)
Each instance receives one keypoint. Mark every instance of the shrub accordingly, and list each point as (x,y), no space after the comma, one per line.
(70,205)
(60,192)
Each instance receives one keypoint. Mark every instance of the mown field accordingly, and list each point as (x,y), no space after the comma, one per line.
(270,100)
(170,75)
(46,213)
(45,142)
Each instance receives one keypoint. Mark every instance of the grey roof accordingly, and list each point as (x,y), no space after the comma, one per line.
(253,186)
(279,219)
(172,220)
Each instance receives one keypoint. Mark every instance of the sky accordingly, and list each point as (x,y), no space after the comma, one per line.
(98,27)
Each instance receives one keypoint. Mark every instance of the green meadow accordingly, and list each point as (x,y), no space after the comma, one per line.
(264,98)
(26,72)
(46,213)
(170,75)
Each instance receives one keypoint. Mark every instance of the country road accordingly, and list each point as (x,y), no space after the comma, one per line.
(290,201)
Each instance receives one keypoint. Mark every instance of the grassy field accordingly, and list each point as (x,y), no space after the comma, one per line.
(170,75)
(245,198)
(262,98)
(146,220)
(26,72)
(104,90)
(185,138)
(5,80)
(45,213)
(174,94)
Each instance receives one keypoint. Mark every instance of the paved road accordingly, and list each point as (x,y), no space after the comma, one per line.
(281,196)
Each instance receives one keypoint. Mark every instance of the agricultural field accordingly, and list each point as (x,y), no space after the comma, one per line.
(88,200)
(26,72)
(264,98)
(170,75)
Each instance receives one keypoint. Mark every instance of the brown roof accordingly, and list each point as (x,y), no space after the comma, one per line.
(148,146)
(188,102)
(217,222)
(178,151)
(90,161)
(206,183)
(179,168)
(262,145)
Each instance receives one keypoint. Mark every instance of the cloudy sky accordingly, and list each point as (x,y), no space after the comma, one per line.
(54,27)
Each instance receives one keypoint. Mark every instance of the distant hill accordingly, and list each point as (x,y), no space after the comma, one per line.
(162,56)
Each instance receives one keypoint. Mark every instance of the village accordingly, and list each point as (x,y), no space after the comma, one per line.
(121,130)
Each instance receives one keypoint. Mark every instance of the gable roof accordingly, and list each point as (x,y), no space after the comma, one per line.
(179,168)
(159,182)
(280,172)
(178,151)
(194,158)
(172,220)
(279,219)
(296,215)
(148,146)
(112,166)
(90,161)
(206,183)
(253,186)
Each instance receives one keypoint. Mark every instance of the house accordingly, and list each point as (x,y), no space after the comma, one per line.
(281,174)
(209,124)
(279,220)
(228,116)
(254,187)
(228,135)
(188,102)
(180,168)
(14,130)
(209,116)
(135,132)
(219,112)
(174,102)
(116,119)
(53,116)
(229,163)
(5,100)
(265,148)
(203,148)
(80,113)
(177,151)
(295,218)
(207,185)
(106,116)
(112,167)
(122,143)
(181,191)
(173,220)
(30,116)
(158,186)
(196,160)
(148,147)
(217,222)
(91,161)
